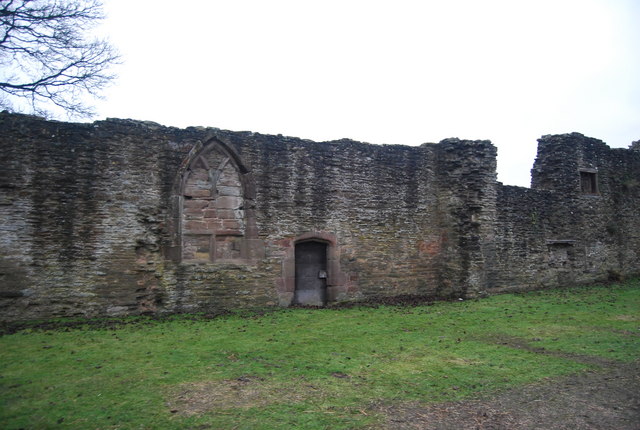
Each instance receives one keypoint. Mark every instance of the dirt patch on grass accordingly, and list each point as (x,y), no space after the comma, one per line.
(241,393)
(591,400)
(608,399)
(199,397)
(519,343)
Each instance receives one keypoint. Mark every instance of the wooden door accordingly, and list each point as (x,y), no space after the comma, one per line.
(311,274)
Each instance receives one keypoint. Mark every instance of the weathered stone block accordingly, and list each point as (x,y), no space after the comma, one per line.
(194,212)
(196,226)
(229,202)
(229,191)
(195,204)
(228,214)
(231,224)
(197,192)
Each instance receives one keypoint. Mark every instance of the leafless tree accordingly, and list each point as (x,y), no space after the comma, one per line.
(47,59)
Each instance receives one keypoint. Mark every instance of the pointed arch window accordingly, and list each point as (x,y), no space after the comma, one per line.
(216,221)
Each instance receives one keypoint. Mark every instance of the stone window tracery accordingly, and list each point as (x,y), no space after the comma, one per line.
(213,217)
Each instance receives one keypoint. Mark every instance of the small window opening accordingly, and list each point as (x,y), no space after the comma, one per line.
(589,182)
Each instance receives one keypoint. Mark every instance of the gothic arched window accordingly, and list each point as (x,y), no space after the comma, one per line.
(214,218)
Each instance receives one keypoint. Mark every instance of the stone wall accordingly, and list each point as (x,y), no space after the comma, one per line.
(579,221)
(127,217)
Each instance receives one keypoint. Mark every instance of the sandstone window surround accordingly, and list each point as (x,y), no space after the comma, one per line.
(217,219)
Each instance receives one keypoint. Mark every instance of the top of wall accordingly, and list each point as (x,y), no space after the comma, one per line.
(137,127)
(554,151)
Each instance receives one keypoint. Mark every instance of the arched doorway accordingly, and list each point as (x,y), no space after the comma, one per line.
(328,289)
(310,273)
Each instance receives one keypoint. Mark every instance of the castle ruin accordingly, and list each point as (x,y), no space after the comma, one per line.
(123,217)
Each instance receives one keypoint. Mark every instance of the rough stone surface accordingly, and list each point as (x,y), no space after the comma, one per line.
(558,232)
(126,217)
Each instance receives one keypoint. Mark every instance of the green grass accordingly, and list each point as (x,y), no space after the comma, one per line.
(311,369)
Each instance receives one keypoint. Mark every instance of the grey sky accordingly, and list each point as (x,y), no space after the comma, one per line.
(397,72)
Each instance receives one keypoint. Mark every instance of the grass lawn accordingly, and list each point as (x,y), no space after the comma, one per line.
(311,369)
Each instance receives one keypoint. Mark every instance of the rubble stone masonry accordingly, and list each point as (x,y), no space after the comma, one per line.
(123,217)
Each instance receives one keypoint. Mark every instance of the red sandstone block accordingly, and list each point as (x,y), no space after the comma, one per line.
(228,224)
(333,266)
(195,225)
(197,216)
(214,224)
(195,203)
(193,211)
(228,202)
(197,192)
(289,284)
(222,232)
(210,213)
(289,268)
(226,214)
(338,278)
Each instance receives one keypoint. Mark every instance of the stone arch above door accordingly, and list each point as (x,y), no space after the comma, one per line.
(215,216)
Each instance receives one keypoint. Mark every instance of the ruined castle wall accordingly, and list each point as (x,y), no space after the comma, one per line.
(74,215)
(467,193)
(578,222)
(523,224)
(127,217)
(94,217)
(379,202)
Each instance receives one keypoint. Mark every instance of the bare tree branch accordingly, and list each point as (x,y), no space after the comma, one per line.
(45,58)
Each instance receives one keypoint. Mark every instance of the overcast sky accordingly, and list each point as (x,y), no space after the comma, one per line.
(396,72)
